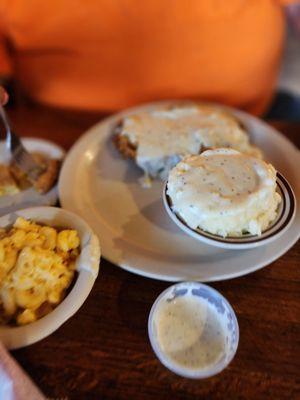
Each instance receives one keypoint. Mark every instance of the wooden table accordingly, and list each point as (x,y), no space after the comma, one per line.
(103,352)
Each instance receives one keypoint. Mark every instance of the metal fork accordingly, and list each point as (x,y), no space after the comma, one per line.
(20,155)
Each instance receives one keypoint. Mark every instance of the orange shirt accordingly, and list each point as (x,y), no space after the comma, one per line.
(111,54)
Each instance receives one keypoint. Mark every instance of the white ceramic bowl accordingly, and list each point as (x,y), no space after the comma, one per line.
(30,197)
(214,303)
(286,215)
(87,268)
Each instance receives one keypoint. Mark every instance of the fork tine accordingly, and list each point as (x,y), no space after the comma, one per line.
(20,155)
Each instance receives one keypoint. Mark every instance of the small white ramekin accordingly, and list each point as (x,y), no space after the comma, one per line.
(215,303)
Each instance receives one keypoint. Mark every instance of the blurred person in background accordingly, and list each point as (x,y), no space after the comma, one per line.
(106,55)
(286,103)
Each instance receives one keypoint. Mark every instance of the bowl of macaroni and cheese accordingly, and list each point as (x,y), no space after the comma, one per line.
(49,260)
(229,199)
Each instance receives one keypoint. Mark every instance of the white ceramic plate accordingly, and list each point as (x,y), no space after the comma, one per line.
(285,215)
(136,232)
(87,266)
(30,197)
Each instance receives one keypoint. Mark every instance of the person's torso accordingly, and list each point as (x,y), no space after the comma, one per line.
(108,54)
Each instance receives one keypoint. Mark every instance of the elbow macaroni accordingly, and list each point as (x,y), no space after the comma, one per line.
(37,265)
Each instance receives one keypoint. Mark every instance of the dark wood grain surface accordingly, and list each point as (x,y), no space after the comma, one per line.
(103,352)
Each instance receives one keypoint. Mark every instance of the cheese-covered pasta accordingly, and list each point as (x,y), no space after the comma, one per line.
(37,265)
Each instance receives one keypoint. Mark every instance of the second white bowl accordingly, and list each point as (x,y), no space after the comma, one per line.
(286,215)
(87,268)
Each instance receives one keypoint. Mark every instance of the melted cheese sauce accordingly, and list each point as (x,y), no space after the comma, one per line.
(163,137)
(224,192)
(189,332)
